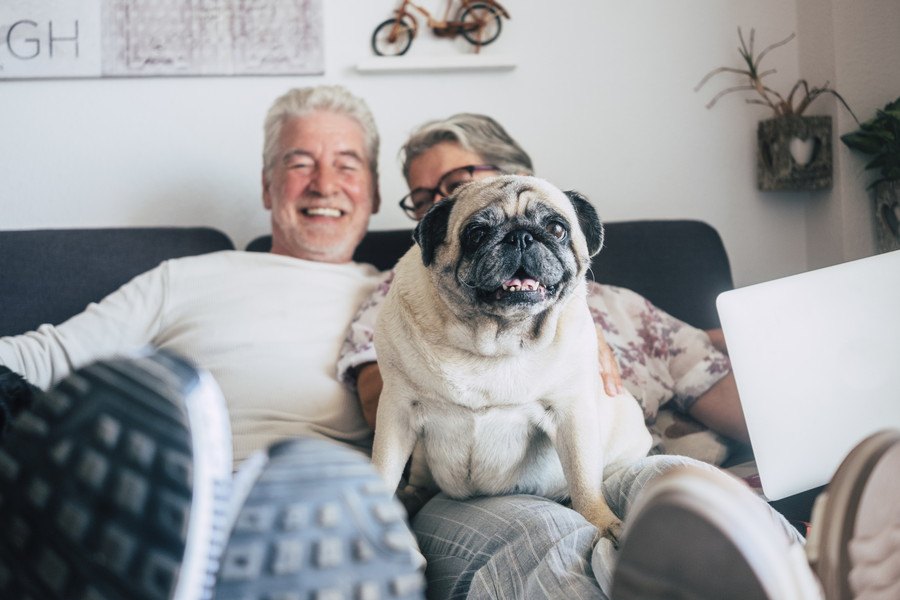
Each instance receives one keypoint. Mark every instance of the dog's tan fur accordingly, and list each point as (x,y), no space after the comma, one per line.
(501,401)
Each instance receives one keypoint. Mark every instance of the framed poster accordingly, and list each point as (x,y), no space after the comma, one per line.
(159,38)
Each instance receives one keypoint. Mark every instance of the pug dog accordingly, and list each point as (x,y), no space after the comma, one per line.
(489,353)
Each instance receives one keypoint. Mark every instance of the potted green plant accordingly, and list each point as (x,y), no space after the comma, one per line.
(879,137)
(793,151)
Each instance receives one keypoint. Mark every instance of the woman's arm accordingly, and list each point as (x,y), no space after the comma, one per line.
(719,408)
(717,337)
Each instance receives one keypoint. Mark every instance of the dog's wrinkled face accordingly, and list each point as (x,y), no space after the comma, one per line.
(510,246)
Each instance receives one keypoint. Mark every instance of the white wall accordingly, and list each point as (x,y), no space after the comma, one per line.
(602,97)
(854,45)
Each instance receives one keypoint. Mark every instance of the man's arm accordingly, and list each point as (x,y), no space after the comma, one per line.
(124,321)
(368,386)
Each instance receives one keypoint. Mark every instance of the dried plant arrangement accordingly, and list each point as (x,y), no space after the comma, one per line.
(794,104)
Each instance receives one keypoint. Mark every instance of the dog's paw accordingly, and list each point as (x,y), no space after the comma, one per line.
(414,498)
(611,530)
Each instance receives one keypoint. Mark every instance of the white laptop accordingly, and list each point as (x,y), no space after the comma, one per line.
(816,357)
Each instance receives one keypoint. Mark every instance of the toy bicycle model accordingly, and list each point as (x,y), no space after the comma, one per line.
(478,21)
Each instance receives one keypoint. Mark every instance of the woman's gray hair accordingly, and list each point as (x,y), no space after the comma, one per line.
(300,102)
(476,133)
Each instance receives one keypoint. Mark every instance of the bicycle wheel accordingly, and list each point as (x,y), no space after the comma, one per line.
(383,45)
(481,24)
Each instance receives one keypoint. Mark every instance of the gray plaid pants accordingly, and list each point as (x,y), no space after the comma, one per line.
(526,547)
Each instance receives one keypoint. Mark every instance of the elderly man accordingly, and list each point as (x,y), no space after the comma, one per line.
(260,326)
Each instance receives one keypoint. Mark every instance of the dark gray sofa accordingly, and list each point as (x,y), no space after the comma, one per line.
(48,275)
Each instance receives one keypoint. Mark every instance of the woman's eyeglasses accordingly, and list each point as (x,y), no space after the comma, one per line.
(416,203)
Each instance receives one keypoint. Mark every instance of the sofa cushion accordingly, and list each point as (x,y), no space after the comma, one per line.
(679,265)
(49,275)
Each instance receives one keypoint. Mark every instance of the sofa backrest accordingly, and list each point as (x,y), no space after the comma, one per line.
(49,275)
(679,265)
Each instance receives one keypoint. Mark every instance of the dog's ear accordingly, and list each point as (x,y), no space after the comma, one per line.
(588,220)
(432,229)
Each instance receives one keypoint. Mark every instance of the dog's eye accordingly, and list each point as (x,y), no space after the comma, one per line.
(475,234)
(556,229)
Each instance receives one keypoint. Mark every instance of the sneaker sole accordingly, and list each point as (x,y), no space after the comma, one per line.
(855,536)
(694,535)
(313,519)
(124,499)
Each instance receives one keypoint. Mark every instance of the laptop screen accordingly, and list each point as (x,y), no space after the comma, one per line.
(816,357)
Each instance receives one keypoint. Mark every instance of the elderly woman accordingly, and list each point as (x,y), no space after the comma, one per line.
(663,361)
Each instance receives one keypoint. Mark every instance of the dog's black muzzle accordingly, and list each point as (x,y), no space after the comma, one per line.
(517,270)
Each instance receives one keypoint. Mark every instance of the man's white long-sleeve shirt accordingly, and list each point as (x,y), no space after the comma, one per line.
(269,328)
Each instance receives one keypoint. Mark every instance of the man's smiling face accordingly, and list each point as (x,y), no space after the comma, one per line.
(321,190)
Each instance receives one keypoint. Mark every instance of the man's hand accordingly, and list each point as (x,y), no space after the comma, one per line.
(16,395)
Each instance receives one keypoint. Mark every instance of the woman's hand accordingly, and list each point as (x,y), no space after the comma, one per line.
(609,368)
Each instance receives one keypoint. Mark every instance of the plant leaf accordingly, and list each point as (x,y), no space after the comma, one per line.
(863,142)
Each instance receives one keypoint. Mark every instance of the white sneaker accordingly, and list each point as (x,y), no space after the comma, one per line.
(695,533)
(312,519)
(854,542)
(114,484)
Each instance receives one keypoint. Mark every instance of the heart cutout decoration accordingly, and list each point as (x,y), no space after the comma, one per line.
(802,150)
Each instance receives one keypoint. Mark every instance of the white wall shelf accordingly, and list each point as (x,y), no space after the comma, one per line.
(458,62)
